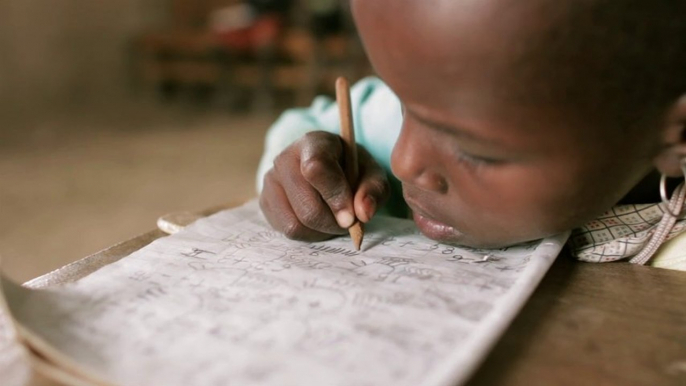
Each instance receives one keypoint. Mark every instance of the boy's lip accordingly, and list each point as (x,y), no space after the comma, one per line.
(430,227)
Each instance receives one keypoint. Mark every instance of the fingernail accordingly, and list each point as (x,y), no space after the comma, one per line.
(370,206)
(345,219)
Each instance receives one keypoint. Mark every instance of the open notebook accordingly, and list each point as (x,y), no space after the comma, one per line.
(228,301)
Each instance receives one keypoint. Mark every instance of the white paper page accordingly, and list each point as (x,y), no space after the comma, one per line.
(228,301)
(14,363)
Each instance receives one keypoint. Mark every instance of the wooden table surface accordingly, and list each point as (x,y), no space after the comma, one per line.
(595,324)
(586,324)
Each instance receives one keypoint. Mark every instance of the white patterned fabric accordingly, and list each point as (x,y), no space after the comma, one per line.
(621,233)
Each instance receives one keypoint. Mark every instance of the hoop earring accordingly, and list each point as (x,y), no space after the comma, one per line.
(666,204)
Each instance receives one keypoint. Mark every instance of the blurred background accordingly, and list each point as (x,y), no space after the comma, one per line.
(113,113)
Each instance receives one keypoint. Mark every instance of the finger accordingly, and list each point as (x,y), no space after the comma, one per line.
(280,215)
(307,204)
(373,189)
(320,167)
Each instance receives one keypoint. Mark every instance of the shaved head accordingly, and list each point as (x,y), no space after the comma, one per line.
(524,118)
(621,62)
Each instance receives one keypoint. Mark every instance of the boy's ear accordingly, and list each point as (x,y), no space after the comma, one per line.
(673,152)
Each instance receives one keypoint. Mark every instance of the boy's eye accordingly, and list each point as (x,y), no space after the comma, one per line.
(476,161)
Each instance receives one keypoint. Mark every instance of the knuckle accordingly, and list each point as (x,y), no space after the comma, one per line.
(281,161)
(318,136)
(336,196)
(314,166)
(266,196)
(326,177)
(332,187)
(292,229)
(312,136)
(269,178)
(320,141)
(311,218)
(264,204)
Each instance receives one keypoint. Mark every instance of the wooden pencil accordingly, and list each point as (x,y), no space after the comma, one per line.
(351,167)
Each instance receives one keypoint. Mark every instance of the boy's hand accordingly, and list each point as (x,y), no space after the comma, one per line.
(306,195)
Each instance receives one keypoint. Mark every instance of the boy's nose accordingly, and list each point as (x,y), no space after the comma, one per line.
(414,162)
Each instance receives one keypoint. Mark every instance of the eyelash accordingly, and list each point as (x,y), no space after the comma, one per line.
(474,162)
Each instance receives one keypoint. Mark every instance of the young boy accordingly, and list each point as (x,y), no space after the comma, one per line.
(514,120)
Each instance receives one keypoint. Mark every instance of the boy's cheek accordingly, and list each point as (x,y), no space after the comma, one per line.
(518,209)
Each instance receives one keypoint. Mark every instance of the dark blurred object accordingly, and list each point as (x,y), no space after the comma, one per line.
(327,17)
(251,50)
(204,38)
(262,7)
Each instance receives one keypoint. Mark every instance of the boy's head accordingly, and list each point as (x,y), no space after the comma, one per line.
(525,118)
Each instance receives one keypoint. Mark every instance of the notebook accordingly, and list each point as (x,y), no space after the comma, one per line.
(229,301)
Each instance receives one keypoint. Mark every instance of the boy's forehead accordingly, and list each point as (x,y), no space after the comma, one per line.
(446,43)
(438,23)
(468,62)
(582,67)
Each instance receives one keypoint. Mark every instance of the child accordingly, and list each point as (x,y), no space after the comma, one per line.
(514,120)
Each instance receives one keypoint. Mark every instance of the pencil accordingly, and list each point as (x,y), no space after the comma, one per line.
(350,151)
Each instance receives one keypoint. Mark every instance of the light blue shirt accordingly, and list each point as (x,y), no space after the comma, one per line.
(377,115)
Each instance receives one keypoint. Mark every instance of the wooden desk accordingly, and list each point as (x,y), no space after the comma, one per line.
(595,324)
(586,324)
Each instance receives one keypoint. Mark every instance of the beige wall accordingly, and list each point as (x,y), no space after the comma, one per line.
(55,52)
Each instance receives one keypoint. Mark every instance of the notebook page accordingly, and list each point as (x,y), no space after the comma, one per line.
(14,367)
(229,301)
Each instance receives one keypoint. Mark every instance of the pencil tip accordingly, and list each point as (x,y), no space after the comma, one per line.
(357,234)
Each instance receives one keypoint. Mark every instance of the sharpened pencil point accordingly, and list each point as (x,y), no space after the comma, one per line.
(357,234)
